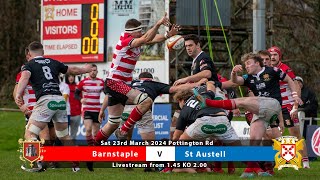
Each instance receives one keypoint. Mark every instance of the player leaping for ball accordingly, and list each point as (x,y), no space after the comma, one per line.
(125,57)
(264,82)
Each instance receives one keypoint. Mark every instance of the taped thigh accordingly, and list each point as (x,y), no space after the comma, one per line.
(140,98)
(114,119)
(62,133)
(34,129)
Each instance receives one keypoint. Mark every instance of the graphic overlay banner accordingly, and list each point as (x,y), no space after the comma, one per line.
(159,151)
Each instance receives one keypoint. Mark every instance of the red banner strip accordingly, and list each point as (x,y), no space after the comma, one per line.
(93,153)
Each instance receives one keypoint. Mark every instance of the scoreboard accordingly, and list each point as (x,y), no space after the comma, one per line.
(73,31)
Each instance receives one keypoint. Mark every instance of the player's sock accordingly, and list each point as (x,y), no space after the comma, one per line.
(134,116)
(100,136)
(253,167)
(305,162)
(228,104)
(231,168)
(217,167)
(90,140)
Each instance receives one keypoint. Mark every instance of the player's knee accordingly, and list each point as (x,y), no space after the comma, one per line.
(142,98)
(114,119)
(34,129)
(62,134)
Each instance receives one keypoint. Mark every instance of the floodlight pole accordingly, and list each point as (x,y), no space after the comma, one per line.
(259,28)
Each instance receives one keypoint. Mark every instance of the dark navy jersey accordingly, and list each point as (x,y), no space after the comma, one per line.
(192,110)
(45,75)
(204,62)
(152,88)
(266,82)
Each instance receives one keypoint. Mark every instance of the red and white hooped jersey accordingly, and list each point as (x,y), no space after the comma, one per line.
(124,59)
(29,96)
(91,90)
(287,99)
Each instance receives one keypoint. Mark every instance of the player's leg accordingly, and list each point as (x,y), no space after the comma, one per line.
(114,119)
(39,118)
(74,126)
(294,130)
(95,124)
(227,138)
(87,121)
(144,103)
(269,110)
(116,91)
(60,121)
(249,103)
(186,137)
(146,127)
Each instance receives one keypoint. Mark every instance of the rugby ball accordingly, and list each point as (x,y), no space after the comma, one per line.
(176,42)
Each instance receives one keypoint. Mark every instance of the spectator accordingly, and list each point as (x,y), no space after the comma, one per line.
(309,106)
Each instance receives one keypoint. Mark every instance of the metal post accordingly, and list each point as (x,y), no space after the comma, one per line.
(271,22)
(199,17)
(259,29)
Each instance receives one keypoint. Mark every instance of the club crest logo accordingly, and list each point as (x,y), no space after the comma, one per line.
(30,150)
(266,77)
(288,155)
(49,13)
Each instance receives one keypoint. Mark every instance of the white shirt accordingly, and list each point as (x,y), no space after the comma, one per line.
(64,89)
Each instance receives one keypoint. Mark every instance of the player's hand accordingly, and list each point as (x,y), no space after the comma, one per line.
(180,81)
(298,100)
(237,68)
(174,30)
(294,113)
(164,20)
(281,126)
(87,68)
(236,112)
(101,116)
(19,100)
(248,115)
(83,101)
(202,81)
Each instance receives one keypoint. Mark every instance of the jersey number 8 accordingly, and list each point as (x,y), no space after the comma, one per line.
(47,72)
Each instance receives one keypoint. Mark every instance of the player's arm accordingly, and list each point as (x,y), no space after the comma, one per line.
(294,91)
(162,37)
(176,135)
(187,86)
(77,94)
(180,126)
(103,108)
(234,75)
(194,78)
(74,70)
(150,34)
(174,123)
(228,84)
(15,91)
(23,82)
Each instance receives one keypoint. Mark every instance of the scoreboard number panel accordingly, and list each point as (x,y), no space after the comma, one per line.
(90,29)
(72,31)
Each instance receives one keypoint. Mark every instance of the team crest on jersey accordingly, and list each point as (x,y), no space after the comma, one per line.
(30,150)
(288,155)
(266,77)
